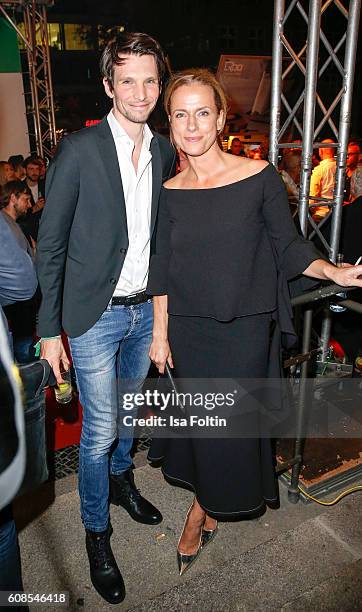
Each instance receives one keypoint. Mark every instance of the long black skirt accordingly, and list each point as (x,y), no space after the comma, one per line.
(232,477)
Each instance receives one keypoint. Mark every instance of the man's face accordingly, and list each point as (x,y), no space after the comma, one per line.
(9,172)
(20,173)
(42,168)
(235,147)
(21,204)
(353,152)
(135,89)
(33,172)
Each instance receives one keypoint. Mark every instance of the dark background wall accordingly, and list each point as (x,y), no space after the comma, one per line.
(192,32)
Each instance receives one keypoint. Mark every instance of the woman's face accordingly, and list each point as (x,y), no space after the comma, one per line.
(194,119)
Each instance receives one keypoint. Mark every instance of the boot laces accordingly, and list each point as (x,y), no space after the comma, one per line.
(102,550)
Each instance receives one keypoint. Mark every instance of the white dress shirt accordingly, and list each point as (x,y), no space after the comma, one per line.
(34,191)
(323,179)
(322,185)
(137,189)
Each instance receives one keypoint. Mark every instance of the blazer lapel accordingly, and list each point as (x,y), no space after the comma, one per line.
(156,180)
(108,154)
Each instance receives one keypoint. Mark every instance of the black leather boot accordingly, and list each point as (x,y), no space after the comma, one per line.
(105,575)
(123,492)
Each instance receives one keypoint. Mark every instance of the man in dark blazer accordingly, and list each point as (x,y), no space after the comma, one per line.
(30,222)
(95,241)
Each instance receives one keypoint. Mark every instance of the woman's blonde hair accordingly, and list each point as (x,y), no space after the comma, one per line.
(201,76)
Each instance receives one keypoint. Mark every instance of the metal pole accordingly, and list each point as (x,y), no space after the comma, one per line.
(39,91)
(345,120)
(293,490)
(309,110)
(49,82)
(279,9)
(311,74)
(344,127)
(29,18)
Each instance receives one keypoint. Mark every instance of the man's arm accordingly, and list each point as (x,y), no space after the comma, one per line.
(18,280)
(62,187)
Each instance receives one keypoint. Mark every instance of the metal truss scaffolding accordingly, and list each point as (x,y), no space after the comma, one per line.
(313,113)
(38,87)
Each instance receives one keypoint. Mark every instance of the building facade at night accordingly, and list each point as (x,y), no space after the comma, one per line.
(192,32)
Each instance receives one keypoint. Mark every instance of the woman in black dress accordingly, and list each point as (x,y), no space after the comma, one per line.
(224,232)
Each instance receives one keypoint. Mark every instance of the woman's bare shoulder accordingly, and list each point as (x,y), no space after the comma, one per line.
(253,166)
(243,167)
(175,182)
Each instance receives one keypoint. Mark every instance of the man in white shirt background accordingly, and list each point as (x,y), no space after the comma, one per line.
(95,240)
(33,181)
(323,179)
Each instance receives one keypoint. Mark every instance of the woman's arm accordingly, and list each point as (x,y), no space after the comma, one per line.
(295,254)
(346,276)
(160,349)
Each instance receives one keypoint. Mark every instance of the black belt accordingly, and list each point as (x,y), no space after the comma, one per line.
(130,300)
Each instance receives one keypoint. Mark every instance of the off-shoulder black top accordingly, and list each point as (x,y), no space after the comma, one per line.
(218,250)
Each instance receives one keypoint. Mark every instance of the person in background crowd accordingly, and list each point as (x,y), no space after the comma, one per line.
(36,185)
(181,161)
(290,173)
(347,328)
(43,168)
(236,147)
(323,179)
(15,201)
(315,159)
(298,147)
(95,240)
(6,172)
(353,153)
(350,239)
(17,163)
(17,282)
(30,223)
(255,152)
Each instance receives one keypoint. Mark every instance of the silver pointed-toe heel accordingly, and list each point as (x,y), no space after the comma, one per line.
(207,536)
(184,561)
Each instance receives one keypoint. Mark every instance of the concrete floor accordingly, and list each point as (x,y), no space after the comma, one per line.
(302,557)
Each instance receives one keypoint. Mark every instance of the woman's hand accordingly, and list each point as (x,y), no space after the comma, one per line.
(347,275)
(160,353)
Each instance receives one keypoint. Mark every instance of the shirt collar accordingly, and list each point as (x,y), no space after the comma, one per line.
(119,132)
(327,161)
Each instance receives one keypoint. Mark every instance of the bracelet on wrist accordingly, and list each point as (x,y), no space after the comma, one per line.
(37,345)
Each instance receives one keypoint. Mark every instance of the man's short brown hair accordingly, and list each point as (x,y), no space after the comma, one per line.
(32,159)
(10,188)
(131,43)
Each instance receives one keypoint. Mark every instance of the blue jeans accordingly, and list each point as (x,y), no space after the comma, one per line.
(10,568)
(24,351)
(110,359)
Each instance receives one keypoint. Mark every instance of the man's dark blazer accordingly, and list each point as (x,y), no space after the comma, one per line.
(83,237)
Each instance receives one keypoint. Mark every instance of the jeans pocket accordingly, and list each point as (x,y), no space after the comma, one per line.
(107,309)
